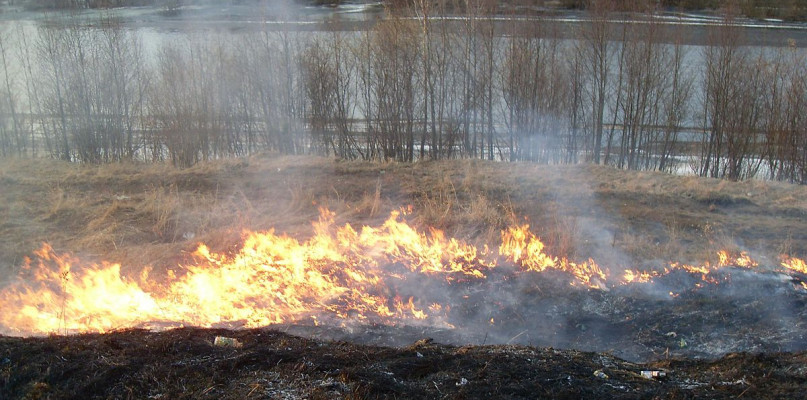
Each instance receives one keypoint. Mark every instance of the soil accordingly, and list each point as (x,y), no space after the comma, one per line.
(743,336)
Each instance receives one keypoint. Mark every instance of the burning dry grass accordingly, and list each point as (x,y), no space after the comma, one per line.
(460,265)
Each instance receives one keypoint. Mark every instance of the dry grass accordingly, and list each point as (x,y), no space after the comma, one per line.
(160,207)
(150,214)
(436,201)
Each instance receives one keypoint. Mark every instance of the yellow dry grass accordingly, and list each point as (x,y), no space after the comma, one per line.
(142,214)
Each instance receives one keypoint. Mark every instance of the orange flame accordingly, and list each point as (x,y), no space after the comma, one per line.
(636,276)
(725,260)
(794,264)
(523,248)
(340,274)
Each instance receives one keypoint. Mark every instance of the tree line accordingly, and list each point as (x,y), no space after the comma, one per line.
(789,10)
(415,86)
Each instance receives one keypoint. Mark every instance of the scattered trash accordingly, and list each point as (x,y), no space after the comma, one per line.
(462,382)
(682,343)
(741,382)
(599,374)
(671,334)
(419,355)
(222,341)
(653,374)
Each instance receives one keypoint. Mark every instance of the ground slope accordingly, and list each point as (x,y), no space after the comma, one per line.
(140,215)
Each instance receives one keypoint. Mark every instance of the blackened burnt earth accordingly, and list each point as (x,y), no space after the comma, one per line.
(679,315)
(184,363)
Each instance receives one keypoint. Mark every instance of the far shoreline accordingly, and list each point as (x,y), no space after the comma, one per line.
(563,24)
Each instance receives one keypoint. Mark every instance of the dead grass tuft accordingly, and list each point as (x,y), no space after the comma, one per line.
(160,207)
(102,232)
(563,236)
(436,201)
(370,205)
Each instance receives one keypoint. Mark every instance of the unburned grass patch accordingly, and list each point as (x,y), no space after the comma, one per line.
(579,211)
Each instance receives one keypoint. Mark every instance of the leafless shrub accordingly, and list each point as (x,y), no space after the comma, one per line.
(416,86)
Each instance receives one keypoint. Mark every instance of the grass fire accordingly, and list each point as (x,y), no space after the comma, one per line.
(340,275)
(403,199)
(465,278)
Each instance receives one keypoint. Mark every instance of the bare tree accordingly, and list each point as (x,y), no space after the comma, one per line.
(51,56)
(328,73)
(785,104)
(124,79)
(675,105)
(395,47)
(32,91)
(535,92)
(596,53)
(345,66)
(189,100)
(320,89)
(576,107)
(731,106)
(13,137)
(650,96)
(417,85)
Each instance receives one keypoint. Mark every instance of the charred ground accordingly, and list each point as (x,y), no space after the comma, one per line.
(184,363)
(141,215)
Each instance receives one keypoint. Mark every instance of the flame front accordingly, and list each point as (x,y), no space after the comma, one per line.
(339,272)
(794,264)
(522,247)
(374,275)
